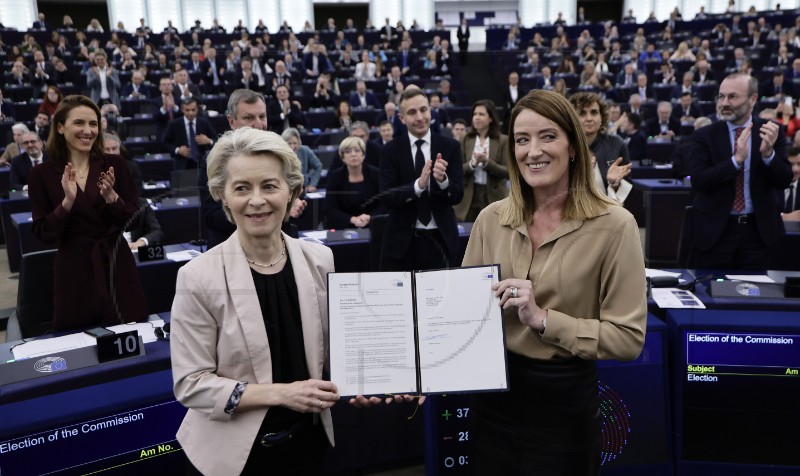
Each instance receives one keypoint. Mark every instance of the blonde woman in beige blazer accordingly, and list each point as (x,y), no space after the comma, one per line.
(484,152)
(234,332)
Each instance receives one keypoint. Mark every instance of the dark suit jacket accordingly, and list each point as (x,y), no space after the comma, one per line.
(175,135)
(637,144)
(146,225)
(274,120)
(338,213)
(396,122)
(323,63)
(40,82)
(710,76)
(714,182)
(768,89)
(653,128)
(144,91)
(694,111)
(20,167)
(163,119)
(411,61)
(8,110)
(397,186)
(372,100)
(463,38)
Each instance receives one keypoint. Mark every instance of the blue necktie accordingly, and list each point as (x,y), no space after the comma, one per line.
(193,142)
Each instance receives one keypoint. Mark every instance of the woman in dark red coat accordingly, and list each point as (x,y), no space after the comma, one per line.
(82,200)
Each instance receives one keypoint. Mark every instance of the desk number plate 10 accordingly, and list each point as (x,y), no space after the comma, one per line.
(118,346)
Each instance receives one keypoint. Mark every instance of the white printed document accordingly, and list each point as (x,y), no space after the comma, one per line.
(426,332)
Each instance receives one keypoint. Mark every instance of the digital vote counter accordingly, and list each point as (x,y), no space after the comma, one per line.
(736,391)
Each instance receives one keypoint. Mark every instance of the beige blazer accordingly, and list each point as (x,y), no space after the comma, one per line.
(496,172)
(218,339)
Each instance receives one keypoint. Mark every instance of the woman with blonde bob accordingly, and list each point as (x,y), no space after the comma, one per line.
(249,324)
(352,189)
(574,292)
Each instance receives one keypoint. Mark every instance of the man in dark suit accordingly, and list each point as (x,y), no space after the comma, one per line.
(703,73)
(421,180)
(776,88)
(663,125)
(22,164)
(213,72)
(738,167)
(43,73)
(41,126)
(166,105)
(446,94)
(687,110)
(634,137)
(463,41)
(184,87)
(316,62)
(362,97)
(391,115)
(7,109)
(283,112)
(41,23)
(189,137)
(405,59)
(440,119)
(790,198)
(136,88)
(146,230)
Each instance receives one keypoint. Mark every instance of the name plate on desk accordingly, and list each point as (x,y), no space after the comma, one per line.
(35,367)
(119,346)
(151,253)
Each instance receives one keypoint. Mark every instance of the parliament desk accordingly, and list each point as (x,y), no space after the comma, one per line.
(117,416)
(635,202)
(155,166)
(664,201)
(9,206)
(121,416)
(179,219)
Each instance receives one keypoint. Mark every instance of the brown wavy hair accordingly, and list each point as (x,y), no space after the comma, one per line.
(583,100)
(57,149)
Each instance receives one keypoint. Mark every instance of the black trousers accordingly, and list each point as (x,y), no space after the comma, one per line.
(548,424)
(739,247)
(303,455)
(427,251)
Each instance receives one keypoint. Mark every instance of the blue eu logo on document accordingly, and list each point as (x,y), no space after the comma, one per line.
(397,283)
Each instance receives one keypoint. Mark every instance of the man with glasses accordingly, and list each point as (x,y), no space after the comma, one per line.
(738,167)
(22,164)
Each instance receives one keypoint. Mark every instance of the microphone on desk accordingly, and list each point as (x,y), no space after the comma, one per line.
(690,286)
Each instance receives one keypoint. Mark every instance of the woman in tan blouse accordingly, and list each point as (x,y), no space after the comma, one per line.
(573,292)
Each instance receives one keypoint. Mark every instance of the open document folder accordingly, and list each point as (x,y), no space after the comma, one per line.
(426,332)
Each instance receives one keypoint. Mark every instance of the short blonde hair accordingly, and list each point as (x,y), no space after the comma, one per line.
(349,142)
(256,144)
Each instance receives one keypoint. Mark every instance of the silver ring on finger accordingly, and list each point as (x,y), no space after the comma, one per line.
(513,292)
(321,404)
